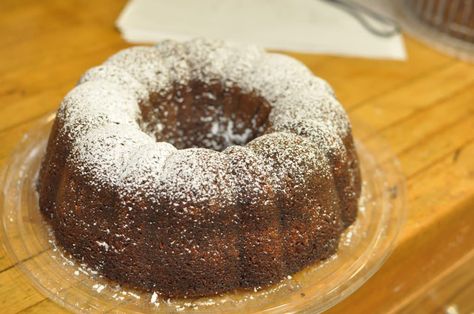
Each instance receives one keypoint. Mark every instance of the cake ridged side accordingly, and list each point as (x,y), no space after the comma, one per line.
(195,222)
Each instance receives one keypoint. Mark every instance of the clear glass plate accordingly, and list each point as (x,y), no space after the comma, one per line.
(363,247)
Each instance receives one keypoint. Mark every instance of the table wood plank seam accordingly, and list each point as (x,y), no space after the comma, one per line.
(435,132)
(436,278)
(427,108)
(24,122)
(23,260)
(404,83)
(439,159)
(32,305)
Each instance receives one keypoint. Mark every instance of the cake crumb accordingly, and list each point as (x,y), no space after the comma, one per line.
(154,297)
(452,309)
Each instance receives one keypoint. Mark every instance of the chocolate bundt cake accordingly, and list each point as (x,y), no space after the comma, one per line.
(453,17)
(196,168)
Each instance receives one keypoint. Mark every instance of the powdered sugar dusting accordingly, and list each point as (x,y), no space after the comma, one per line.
(101,115)
(190,176)
(289,155)
(118,76)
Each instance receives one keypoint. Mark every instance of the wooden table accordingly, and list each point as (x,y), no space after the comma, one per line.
(423,107)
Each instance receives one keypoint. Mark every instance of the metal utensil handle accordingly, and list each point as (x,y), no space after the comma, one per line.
(364,14)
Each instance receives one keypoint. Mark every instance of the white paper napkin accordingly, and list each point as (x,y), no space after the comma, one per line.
(297,25)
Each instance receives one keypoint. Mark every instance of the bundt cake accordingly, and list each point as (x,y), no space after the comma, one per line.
(453,17)
(192,169)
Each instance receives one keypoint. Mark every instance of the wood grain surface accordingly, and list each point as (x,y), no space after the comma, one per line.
(424,108)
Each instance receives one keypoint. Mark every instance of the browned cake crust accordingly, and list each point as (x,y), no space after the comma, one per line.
(266,194)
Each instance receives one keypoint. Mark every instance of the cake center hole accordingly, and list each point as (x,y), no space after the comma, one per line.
(203,115)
